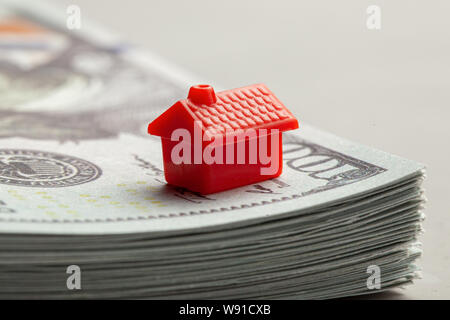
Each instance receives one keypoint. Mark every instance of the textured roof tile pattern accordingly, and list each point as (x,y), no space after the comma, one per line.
(243,108)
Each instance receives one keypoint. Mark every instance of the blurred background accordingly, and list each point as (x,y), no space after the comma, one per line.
(388,88)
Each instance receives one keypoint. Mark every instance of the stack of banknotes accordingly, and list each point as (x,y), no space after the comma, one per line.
(85,211)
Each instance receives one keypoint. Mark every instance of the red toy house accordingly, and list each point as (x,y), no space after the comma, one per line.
(213,142)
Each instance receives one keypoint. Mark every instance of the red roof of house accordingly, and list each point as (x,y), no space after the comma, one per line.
(253,107)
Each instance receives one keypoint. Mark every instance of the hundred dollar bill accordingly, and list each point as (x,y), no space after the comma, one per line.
(75,157)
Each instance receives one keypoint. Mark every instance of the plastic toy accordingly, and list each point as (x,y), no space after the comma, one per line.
(214,142)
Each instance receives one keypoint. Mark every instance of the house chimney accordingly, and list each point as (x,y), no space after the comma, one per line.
(202,94)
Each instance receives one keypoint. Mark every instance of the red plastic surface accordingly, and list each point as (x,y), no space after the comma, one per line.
(252,107)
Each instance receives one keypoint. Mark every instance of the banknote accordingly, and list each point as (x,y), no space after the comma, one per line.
(82,184)
(75,157)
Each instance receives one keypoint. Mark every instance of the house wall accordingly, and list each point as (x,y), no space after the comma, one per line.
(210,178)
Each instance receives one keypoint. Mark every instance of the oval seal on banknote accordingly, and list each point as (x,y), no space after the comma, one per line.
(32,168)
